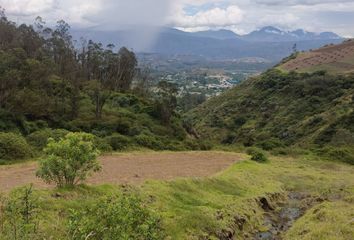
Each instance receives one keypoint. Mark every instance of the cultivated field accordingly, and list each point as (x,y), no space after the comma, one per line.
(131,168)
(334,58)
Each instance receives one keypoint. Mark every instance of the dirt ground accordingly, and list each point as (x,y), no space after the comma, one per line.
(339,57)
(133,168)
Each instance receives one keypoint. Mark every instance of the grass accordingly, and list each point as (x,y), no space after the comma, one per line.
(327,221)
(207,207)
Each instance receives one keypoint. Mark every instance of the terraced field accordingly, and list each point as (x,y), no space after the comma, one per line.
(334,59)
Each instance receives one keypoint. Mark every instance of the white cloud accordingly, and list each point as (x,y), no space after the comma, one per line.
(239,15)
(215,17)
(27,7)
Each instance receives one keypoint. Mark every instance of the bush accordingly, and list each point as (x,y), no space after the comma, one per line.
(19,215)
(205,145)
(257,155)
(14,146)
(270,144)
(101,144)
(119,217)
(39,139)
(149,142)
(191,144)
(118,142)
(69,160)
(342,154)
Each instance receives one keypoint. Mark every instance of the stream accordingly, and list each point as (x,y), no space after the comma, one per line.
(278,221)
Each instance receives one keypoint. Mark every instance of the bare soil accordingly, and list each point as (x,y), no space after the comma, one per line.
(132,168)
(334,56)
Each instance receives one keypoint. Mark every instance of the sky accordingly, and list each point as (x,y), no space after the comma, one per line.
(241,16)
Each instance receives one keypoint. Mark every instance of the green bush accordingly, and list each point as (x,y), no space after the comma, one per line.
(19,215)
(270,144)
(120,217)
(118,142)
(205,145)
(14,146)
(342,154)
(191,144)
(257,155)
(149,142)
(101,144)
(39,139)
(69,160)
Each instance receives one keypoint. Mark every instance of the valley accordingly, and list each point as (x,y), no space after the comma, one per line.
(218,122)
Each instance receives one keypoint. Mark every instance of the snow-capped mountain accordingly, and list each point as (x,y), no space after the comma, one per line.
(272,34)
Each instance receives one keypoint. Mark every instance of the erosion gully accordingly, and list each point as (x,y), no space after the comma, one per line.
(278,219)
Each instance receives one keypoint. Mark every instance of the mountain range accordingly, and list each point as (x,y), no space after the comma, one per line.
(269,42)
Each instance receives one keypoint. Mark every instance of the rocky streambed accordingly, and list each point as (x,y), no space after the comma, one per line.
(279,217)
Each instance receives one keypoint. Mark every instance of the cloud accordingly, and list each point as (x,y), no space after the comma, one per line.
(27,7)
(299,2)
(239,15)
(214,17)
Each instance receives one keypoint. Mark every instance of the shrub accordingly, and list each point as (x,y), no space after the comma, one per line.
(205,145)
(118,142)
(39,139)
(14,146)
(342,154)
(270,144)
(191,144)
(19,215)
(69,160)
(101,144)
(119,217)
(326,135)
(149,142)
(257,155)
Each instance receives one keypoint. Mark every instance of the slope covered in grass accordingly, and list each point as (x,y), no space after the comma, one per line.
(280,109)
(229,203)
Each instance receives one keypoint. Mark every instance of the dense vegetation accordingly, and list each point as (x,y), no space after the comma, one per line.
(279,109)
(50,85)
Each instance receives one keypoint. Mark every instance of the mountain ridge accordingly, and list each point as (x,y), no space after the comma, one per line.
(215,44)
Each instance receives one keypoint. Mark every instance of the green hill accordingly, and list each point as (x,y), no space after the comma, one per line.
(281,109)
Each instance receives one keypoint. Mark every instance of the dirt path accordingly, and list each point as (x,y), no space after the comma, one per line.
(131,168)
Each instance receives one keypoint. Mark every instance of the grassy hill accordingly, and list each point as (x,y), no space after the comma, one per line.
(280,109)
(332,58)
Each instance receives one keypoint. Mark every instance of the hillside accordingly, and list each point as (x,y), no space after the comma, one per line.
(333,58)
(280,109)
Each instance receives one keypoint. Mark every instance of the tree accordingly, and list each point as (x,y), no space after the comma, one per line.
(69,160)
(98,94)
(143,81)
(125,70)
(166,101)
(295,48)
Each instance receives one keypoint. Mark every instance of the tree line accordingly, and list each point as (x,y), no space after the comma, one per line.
(44,72)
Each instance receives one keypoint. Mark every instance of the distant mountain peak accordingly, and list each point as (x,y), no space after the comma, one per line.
(217,34)
(270,29)
(273,34)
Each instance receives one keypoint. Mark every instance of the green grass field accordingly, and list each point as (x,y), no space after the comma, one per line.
(205,208)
